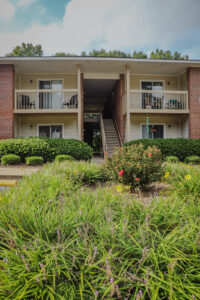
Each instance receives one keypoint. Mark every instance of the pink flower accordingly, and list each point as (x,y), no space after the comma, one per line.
(121,173)
(137,179)
(150,154)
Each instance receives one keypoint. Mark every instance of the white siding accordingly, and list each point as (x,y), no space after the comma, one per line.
(175,126)
(170,82)
(29,125)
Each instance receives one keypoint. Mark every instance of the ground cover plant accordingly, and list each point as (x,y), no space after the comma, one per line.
(34,160)
(10,159)
(60,239)
(134,166)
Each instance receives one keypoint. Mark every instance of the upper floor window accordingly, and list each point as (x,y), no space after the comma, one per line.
(152,100)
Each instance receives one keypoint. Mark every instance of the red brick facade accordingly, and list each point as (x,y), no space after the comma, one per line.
(193,83)
(119,105)
(6,101)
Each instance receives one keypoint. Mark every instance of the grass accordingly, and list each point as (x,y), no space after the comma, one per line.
(61,240)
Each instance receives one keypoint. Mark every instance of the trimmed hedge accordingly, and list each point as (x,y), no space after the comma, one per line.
(34,160)
(77,149)
(63,157)
(193,160)
(48,148)
(177,147)
(172,159)
(10,159)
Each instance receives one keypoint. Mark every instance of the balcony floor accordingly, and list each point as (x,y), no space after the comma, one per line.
(159,111)
(45,111)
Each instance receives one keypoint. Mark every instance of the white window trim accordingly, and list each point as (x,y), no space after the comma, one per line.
(50,124)
(155,123)
(151,80)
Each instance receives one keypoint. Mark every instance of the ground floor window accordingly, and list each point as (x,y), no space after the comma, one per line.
(153,132)
(51,131)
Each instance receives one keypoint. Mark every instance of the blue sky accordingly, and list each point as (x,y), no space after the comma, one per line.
(77,25)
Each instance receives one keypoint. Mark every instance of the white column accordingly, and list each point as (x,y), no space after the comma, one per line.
(127,103)
(79,100)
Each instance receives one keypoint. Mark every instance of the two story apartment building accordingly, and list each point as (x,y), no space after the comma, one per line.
(80,97)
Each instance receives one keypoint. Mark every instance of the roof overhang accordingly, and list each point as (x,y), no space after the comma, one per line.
(98,65)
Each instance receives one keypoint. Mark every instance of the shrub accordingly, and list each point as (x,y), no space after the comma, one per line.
(10,159)
(48,148)
(193,160)
(34,160)
(135,166)
(63,157)
(177,147)
(172,159)
(95,242)
(77,149)
(25,147)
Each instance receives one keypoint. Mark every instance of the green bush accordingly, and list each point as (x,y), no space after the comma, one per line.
(77,149)
(192,160)
(95,244)
(34,160)
(63,157)
(134,166)
(48,148)
(25,147)
(10,159)
(177,147)
(172,159)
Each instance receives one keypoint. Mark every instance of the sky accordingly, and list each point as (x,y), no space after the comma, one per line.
(77,25)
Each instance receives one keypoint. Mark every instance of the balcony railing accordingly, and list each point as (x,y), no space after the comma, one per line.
(46,99)
(158,100)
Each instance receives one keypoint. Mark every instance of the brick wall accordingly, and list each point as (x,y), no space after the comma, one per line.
(119,105)
(193,83)
(6,101)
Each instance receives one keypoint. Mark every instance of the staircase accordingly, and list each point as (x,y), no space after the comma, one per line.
(111,136)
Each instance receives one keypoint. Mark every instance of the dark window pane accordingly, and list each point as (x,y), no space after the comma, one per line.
(44,131)
(56,131)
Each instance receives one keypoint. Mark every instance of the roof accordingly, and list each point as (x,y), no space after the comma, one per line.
(52,64)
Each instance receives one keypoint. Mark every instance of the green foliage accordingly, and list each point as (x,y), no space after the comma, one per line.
(177,147)
(25,147)
(161,54)
(62,54)
(34,160)
(134,166)
(63,157)
(26,50)
(48,148)
(88,242)
(193,160)
(139,54)
(172,159)
(78,149)
(10,159)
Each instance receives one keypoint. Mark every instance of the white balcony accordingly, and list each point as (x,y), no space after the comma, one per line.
(46,101)
(155,101)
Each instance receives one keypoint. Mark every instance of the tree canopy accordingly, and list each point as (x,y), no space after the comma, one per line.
(161,54)
(26,50)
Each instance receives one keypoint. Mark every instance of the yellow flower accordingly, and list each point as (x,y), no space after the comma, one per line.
(189,167)
(126,187)
(188,177)
(166,174)
(119,188)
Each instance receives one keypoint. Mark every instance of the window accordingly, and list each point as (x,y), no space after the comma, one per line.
(49,99)
(152,100)
(52,131)
(154,132)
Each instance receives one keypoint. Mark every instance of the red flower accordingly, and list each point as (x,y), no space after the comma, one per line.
(121,173)
(150,154)
(137,179)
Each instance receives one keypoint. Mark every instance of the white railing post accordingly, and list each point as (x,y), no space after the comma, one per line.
(127,103)
(79,100)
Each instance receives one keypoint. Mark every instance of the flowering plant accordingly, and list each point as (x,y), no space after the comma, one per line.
(134,166)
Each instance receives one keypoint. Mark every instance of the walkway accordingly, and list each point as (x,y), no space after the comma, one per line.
(16,172)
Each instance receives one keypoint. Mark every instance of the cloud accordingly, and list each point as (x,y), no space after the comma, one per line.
(25,2)
(115,24)
(7,10)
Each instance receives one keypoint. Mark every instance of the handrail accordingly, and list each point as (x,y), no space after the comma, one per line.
(103,135)
(46,90)
(118,133)
(159,92)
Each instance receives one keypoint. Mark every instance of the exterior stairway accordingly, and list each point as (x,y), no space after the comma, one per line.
(111,136)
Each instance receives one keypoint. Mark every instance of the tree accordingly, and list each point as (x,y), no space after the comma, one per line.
(111,53)
(139,54)
(65,54)
(161,54)
(26,50)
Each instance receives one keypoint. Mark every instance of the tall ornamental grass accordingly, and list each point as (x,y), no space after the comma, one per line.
(61,240)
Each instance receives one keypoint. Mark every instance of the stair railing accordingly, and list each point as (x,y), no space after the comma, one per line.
(118,133)
(103,135)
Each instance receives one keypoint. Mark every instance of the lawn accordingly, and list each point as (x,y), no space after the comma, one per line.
(66,233)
